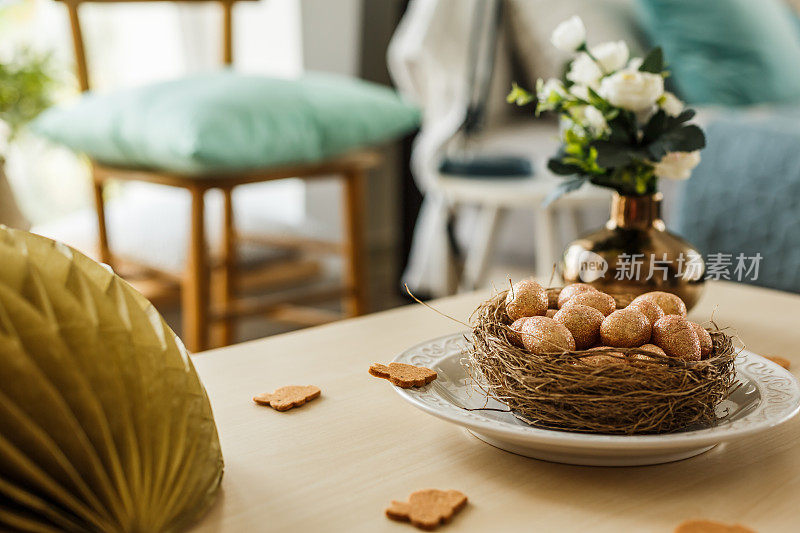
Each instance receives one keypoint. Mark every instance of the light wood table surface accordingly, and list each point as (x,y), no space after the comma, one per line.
(336,463)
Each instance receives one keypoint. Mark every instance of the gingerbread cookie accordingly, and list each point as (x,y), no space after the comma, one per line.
(708,526)
(403,375)
(428,509)
(785,363)
(285,398)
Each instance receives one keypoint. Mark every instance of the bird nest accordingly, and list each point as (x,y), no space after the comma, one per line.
(616,394)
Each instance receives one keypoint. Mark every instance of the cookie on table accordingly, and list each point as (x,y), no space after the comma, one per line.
(428,509)
(403,375)
(286,398)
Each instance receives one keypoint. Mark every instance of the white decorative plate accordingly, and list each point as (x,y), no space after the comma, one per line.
(769,396)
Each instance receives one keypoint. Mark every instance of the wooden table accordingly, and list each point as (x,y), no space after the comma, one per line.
(335,464)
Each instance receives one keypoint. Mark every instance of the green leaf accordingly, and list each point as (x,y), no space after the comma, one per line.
(654,62)
(692,138)
(562,189)
(685,116)
(519,96)
(611,154)
(683,139)
(597,101)
(656,126)
(557,166)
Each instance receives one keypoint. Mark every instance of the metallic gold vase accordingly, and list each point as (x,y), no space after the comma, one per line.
(634,253)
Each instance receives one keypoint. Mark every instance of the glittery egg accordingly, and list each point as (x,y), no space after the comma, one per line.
(542,335)
(515,335)
(603,359)
(675,335)
(706,344)
(650,309)
(583,322)
(653,348)
(526,298)
(599,300)
(569,291)
(668,302)
(626,328)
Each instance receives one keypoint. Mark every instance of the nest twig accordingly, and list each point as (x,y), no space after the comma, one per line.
(625,395)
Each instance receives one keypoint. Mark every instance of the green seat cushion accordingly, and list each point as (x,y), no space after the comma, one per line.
(729,52)
(227,121)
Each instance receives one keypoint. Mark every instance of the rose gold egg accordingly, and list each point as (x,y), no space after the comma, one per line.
(668,302)
(583,322)
(653,348)
(603,359)
(677,338)
(551,313)
(626,328)
(599,300)
(515,335)
(571,290)
(650,309)
(706,344)
(542,335)
(526,298)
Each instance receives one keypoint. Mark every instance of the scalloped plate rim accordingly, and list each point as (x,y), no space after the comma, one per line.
(699,437)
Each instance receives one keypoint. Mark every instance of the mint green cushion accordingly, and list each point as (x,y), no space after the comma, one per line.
(228,121)
(730,52)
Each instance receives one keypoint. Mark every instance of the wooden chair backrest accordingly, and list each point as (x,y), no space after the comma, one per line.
(77,35)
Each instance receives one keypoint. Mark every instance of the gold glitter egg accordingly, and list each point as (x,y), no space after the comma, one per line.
(599,300)
(653,348)
(569,291)
(603,359)
(583,322)
(626,328)
(676,336)
(650,309)
(668,302)
(542,335)
(706,344)
(515,335)
(526,298)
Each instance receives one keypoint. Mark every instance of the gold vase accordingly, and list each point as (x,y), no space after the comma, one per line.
(634,254)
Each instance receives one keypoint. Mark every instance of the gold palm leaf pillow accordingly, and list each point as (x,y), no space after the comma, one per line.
(104,424)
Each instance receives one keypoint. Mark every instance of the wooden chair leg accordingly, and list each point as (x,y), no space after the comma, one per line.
(227,280)
(195,283)
(355,271)
(103,250)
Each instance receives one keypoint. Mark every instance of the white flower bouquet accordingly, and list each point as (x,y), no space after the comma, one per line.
(619,127)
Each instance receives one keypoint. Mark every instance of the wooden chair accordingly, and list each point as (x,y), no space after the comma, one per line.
(198,314)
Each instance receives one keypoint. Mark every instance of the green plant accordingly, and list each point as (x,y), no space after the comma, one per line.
(25,89)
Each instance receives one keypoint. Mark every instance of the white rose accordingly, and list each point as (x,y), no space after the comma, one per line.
(671,104)
(635,63)
(584,71)
(569,35)
(677,165)
(611,56)
(594,119)
(632,89)
(551,86)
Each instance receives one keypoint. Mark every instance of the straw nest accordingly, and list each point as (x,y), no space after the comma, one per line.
(625,395)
